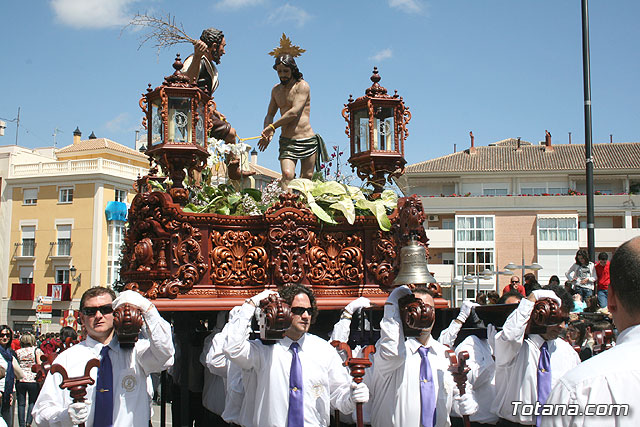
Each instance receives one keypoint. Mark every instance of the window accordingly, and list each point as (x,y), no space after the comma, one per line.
(448,224)
(558,229)
(121,196)
(64,241)
(28,240)
(474,228)
(116,236)
(65,195)
(539,188)
(26,275)
(448,258)
(30,196)
(474,260)
(533,191)
(62,275)
(494,191)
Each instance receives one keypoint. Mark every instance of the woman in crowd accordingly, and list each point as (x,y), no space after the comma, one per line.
(582,275)
(28,355)
(7,384)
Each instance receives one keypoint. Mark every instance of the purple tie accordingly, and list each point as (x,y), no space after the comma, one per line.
(103,416)
(296,405)
(544,377)
(427,391)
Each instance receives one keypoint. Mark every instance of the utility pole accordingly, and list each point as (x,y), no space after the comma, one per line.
(55,133)
(588,146)
(17,125)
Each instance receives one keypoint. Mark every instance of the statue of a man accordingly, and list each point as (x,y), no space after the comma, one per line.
(209,49)
(297,139)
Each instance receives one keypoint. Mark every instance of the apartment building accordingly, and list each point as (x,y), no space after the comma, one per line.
(522,203)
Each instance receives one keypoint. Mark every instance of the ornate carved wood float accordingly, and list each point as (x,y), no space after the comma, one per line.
(194,261)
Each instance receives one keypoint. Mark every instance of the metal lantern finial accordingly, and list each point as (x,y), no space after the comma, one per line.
(413,265)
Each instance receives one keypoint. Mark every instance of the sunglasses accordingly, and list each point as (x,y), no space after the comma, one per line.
(300,310)
(515,281)
(5,335)
(91,311)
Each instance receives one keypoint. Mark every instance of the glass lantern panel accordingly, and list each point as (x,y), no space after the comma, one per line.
(200,140)
(361,131)
(156,123)
(383,133)
(180,125)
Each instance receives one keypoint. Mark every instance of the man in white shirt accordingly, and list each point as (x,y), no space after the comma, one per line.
(131,401)
(519,358)
(298,378)
(612,377)
(411,382)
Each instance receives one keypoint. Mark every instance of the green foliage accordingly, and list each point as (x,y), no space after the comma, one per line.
(224,199)
(326,198)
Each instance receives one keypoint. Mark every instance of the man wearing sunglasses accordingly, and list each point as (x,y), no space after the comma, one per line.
(514,285)
(119,398)
(299,378)
(527,366)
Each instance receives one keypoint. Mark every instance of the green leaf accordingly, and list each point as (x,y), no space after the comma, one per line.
(377,208)
(255,194)
(329,187)
(303,185)
(321,213)
(190,208)
(234,198)
(224,210)
(347,208)
(389,198)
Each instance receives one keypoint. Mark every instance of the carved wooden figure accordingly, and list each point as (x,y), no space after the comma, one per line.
(357,366)
(416,315)
(546,312)
(459,369)
(274,319)
(77,385)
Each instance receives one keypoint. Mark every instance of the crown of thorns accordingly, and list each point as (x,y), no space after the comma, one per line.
(286,48)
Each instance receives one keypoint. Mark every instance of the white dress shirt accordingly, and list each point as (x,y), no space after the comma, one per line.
(396,377)
(326,384)
(213,389)
(448,335)
(481,377)
(517,364)
(131,369)
(612,376)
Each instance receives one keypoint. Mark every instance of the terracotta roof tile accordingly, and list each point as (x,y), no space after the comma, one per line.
(504,156)
(99,144)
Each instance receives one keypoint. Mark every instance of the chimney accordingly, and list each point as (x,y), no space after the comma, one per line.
(547,141)
(569,138)
(93,136)
(472,149)
(610,138)
(76,136)
(518,146)
(254,157)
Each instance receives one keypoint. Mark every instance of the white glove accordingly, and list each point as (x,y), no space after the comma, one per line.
(465,310)
(546,293)
(78,412)
(359,392)
(398,293)
(491,336)
(262,295)
(466,404)
(356,304)
(134,298)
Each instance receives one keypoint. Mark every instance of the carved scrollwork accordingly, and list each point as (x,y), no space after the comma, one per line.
(335,259)
(238,258)
(383,259)
(187,256)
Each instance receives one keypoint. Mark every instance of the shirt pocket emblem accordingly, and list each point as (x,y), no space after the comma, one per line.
(317,390)
(129,383)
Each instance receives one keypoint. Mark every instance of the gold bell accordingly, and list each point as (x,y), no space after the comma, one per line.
(413,265)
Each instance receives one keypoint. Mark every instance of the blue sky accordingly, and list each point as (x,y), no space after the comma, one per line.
(501,68)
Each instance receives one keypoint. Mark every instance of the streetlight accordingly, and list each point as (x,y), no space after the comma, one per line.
(535,267)
(505,272)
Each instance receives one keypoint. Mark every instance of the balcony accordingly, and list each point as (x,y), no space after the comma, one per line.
(440,238)
(59,291)
(76,167)
(22,291)
(608,237)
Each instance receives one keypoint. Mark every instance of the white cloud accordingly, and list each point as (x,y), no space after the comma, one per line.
(237,4)
(288,13)
(382,55)
(92,13)
(118,123)
(408,6)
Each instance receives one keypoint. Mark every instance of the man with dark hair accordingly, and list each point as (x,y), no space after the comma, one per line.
(299,378)
(611,377)
(120,397)
(527,366)
(530,283)
(412,385)
(602,273)
(512,297)
(298,141)
(209,49)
